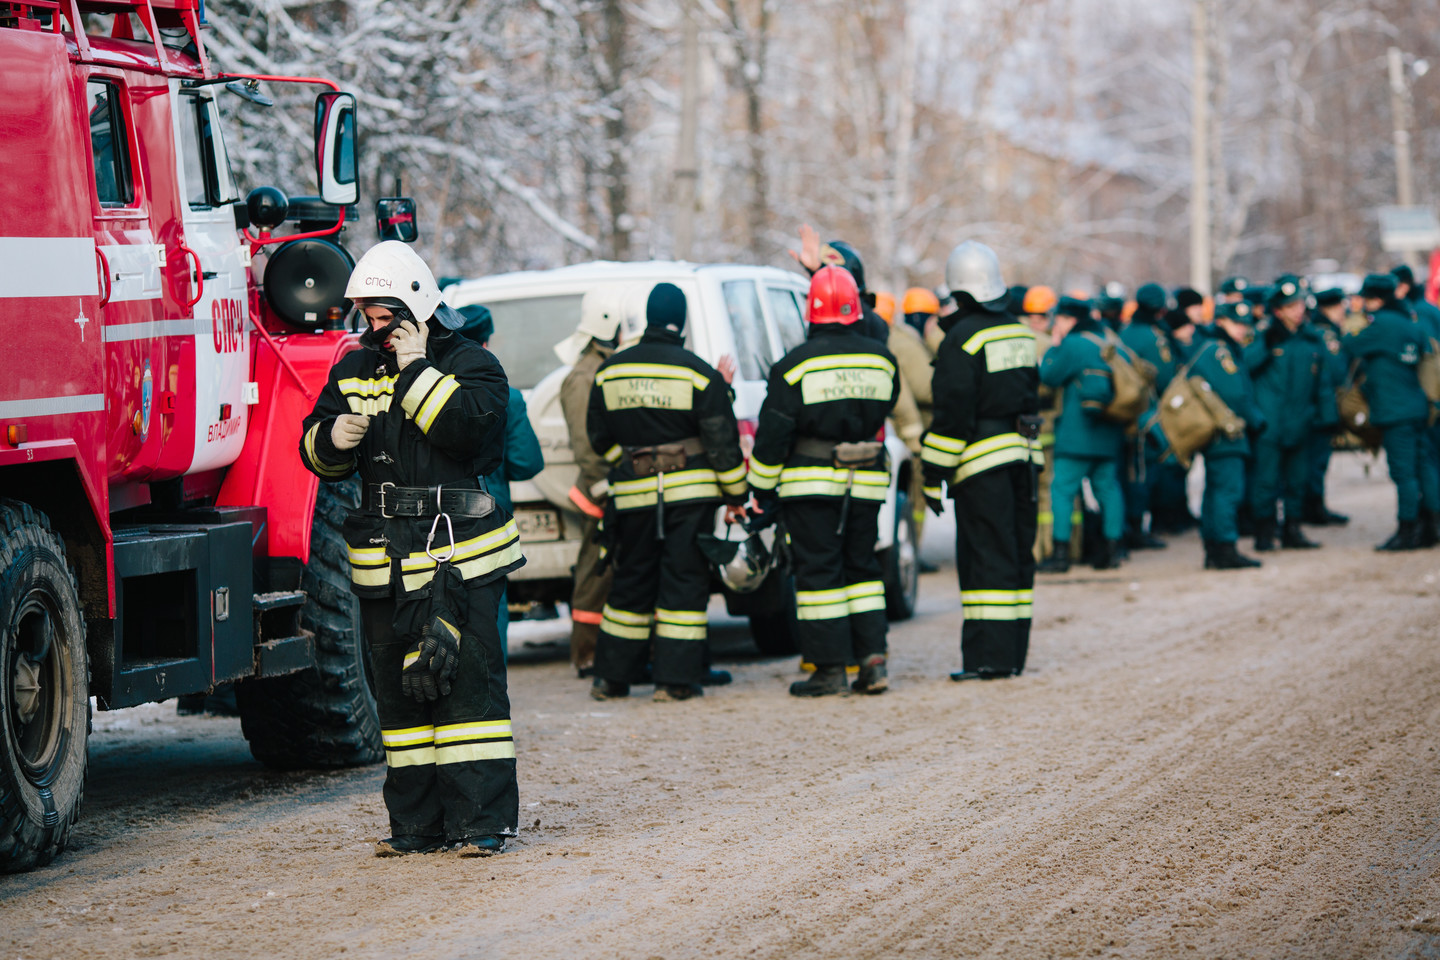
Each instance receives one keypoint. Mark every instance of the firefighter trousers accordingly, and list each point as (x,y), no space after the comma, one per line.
(450,764)
(664,584)
(995,521)
(839,593)
(587,600)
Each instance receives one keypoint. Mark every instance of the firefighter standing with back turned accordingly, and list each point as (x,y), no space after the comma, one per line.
(420,413)
(818,459)
(984,442)
(665,419)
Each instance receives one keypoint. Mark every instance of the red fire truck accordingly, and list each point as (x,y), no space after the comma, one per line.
(158,535)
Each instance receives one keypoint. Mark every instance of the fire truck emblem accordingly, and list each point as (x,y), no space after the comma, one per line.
(147,397)
(82,320)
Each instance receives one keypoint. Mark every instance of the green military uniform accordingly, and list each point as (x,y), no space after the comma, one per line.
(1389,350)
(1087,444)
(1295,392)
(1148,337)
(1320,444)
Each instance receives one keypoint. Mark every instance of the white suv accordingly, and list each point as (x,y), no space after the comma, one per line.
(754,314)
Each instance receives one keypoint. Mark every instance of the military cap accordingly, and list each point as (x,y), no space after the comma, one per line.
(1379,285)
(1286,289)
(1074,307)
(1329,297)
(1151,296)
(479,324)
(1256,295)
(1238,312)
(1234,285)
(1188,297)
(1108,305)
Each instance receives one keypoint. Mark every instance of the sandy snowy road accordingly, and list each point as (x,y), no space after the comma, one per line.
(1196,765)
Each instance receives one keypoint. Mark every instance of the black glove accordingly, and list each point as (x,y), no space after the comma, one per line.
(431,664)
(765,513)
(933,500)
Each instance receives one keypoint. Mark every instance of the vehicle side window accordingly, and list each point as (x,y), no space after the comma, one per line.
(197,191)
(752,346)
(788,316)
(110,144)
(208,182)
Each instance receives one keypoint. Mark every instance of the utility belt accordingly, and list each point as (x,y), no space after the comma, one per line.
(663,457)
(846,456)
(865,455)
(389,500)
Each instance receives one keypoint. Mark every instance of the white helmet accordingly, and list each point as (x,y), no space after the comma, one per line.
(741,565)
(390,270)
(633,319)
(973,268)
(600,310)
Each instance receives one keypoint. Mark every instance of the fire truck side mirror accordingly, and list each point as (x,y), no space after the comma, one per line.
(395,219)
(336,148)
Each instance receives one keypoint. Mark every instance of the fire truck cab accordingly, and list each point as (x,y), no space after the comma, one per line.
(158,535)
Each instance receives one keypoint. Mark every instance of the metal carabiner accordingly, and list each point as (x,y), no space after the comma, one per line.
(435,525)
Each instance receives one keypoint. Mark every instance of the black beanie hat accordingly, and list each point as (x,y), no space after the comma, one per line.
(1188,297)
(666,308)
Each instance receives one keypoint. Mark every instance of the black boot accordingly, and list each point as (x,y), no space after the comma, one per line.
(1138,539)
(824,682)
(1245,521)
(1335,519)
(405,845)
(1211,549)
(1313,512)
(675,692)
(1226,557)
(1108,556)
(1406,538)
(873,676)
(486,846)
(1293,538)
(603,689)
(1059,559)
(1265,535)
(1429,530)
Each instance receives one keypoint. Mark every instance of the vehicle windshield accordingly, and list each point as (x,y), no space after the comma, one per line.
(526,330)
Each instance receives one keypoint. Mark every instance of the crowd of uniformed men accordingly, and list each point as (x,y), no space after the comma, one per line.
(1013,399)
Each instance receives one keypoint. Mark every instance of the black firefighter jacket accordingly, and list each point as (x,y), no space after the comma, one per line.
(985,377)
(838,387)
(440,421)
(657,392)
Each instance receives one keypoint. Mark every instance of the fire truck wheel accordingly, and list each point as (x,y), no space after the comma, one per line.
(773,624)
(901,563)
(44,691)
(324,716)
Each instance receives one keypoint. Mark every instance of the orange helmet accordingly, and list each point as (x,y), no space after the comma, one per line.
(919,300)
(834,297)
(1040,300)
(885,306)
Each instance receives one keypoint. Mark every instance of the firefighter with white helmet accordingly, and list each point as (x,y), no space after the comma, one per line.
(419,413)
(984,444)
(819,464)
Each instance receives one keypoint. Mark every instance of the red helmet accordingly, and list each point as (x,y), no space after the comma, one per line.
(834,297)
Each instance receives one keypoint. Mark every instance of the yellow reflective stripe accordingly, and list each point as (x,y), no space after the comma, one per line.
(613,454)
(469,752)
(990,444)
(624,632)
(730,477)
(679,486)
(1005,331)
(827,488)
(679,478)
(822,604)
(677,631)
(320,466)
(764,469)
(470,569)
(625,616)
(369,406)
(682,616)
(1002,612)
(418,757)
(832,481)
(366,556)
(803,597)
(475,730)
(410,659)
(734,489)
(997,596)
(653,371)
(932,492)
(440,396)
(408,736)
(866,597)
(941,442)
(465,549)
(370,576)
(991,461)
(939,458)
(419,389)
(837,361)
(367,388)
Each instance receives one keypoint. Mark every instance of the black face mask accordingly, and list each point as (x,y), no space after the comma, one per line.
(373,339)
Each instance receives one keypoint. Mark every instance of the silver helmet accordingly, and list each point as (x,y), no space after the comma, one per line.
(748,568)
(973,268)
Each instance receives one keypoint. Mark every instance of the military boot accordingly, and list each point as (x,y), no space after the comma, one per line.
(486,846)
(406,844)
(1265,535)
(603,689)
(1293,538)
(1429,529)
(1137,539)
(1107,557)
(1225,556)
(1059,559)
(1405,538)
(824,682)
(1313,512)
(873,677)
(1335,519)
(673,692)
